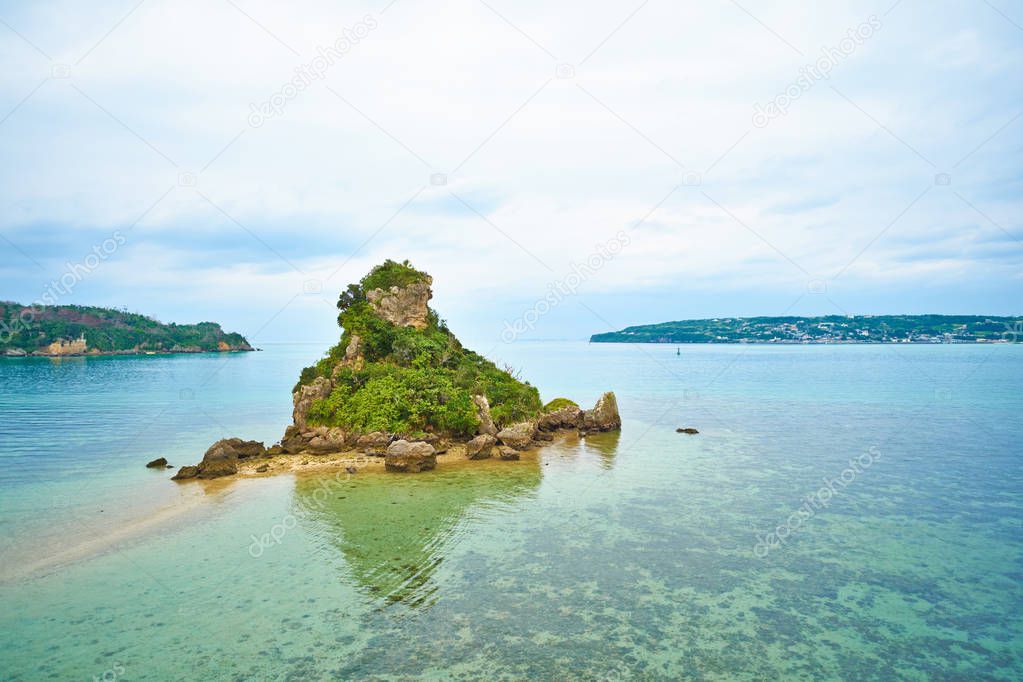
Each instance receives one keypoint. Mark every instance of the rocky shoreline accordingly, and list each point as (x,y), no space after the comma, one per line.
(332,448)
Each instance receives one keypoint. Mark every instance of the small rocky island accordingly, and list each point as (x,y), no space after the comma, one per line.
(400,387)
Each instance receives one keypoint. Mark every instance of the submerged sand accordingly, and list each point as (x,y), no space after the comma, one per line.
(105,535)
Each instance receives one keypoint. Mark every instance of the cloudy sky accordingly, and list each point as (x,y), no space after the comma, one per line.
(243,160)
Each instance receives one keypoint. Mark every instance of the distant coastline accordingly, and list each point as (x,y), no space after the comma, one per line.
(77,331)
(831,329)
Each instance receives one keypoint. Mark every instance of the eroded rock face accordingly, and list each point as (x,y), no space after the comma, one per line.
(304,397)
(518,436)
(404,306)
(410,457)
(480,446)
(487,425)
(568,417)
(353,358)
(604,415)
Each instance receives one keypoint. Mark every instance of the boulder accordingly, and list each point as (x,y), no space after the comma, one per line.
(691,431)
(373,441)
(604,415)
(158,463)
(480,446)
(262,469)
(567,417)
(506,453)
(222,457)
(403,306)
(487,425)
(236,448)
(185,472)
(411,457)
(304,398)
(518,436)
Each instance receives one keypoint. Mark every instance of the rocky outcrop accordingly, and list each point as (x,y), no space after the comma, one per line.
(687,430)
(62,347)
(568,417)
(304,398)
(604,415)
(518,436)
(353,358)
(158,463)
(487,425)
(403,306)
(293,441)
(222,459)
(410,457)
(480,446)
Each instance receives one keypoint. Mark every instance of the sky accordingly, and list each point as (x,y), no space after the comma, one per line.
(561,169)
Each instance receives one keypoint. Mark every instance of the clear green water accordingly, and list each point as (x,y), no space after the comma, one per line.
(624,556)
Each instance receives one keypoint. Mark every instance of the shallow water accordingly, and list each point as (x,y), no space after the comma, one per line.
(640,555)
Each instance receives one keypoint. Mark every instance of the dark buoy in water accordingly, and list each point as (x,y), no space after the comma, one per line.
(678,351)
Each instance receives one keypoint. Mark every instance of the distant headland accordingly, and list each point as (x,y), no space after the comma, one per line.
(72,330)
(829,329)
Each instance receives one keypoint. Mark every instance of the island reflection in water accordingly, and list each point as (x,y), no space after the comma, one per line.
(394,529)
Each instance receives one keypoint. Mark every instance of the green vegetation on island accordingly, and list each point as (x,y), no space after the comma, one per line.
(89,330)
(399,369)
(828,329)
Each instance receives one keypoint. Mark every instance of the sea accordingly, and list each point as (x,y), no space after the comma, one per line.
(846,512)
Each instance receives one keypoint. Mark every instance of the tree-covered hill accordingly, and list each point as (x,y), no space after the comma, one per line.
(829,329)
(89,330)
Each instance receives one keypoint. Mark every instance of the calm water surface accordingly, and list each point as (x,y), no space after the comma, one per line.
(641,555)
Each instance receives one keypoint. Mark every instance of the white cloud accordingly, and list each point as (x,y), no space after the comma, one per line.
(557,164)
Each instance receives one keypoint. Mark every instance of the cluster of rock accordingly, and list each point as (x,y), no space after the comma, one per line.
(408,456)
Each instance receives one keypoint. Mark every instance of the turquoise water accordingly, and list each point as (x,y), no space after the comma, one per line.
(641,555)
